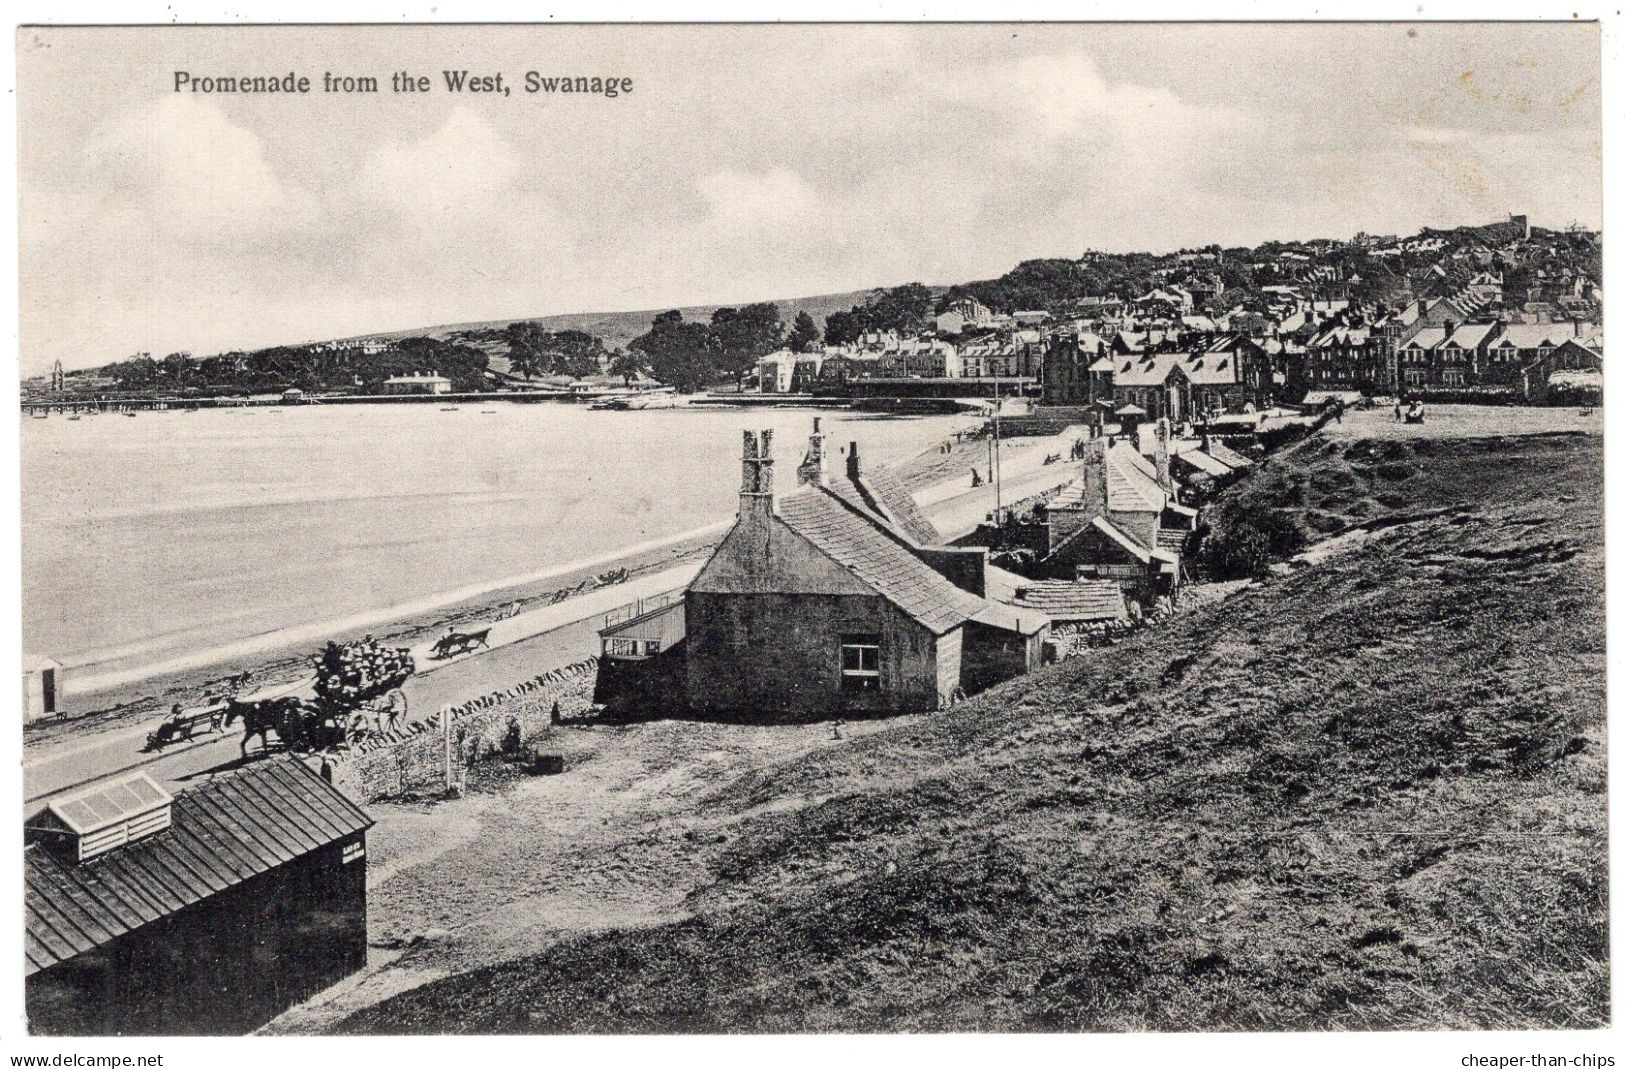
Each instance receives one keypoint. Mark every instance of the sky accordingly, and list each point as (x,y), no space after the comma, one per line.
(747,163)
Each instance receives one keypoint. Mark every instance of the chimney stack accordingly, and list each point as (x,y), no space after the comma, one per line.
(854,470)
(1165,478)
(756,485)
(812,466)
(1094,480)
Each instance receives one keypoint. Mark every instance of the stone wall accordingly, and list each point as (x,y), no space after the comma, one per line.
(413,758)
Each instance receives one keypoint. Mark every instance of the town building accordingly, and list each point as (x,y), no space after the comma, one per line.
(417,384)
(1068,362)
(1186,386)
(205,913)
(963,314)
(788,372)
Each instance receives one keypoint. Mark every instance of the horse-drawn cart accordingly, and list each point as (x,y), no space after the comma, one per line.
(183,728)
(358,693)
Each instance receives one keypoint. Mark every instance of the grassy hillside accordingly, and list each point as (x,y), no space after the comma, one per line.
(1368,793)
(618,328)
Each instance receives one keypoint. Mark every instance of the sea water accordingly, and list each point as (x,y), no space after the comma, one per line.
(184,535)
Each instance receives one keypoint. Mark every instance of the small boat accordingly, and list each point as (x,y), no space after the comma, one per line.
(74,417)
(130,412)
(453,408)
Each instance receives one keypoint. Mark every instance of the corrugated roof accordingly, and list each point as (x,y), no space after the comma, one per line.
(233,828)
(885,565)
(1205,464)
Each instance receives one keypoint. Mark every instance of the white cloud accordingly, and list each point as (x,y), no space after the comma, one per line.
(742,202)
(461,169)
(181,167)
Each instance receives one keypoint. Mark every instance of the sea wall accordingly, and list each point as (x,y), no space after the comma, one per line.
(413,759)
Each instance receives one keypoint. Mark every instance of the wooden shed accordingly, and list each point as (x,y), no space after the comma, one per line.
(206,913)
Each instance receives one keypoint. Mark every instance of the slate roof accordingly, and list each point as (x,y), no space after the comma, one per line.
(881,493)
(1067,601)
(852,540)
(1131,484)
(1203,369)
(1472,335)
(1227,456)
(1529,336)
(229,830)
(1426,338)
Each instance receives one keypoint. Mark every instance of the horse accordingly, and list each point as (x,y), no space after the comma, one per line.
(262,716)
(456,642)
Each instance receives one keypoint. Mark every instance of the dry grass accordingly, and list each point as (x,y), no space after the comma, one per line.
(1370,793)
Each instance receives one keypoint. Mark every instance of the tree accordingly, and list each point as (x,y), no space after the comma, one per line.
(525,352)
(741,337)
(177,370)
(627,364)
(138,372)
(678,353)
(905,309)
(574,353)
(804,335)
(844,328)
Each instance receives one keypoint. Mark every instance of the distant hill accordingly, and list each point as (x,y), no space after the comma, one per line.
(618,328)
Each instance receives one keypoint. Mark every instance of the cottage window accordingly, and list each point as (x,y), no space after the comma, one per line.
(860,663)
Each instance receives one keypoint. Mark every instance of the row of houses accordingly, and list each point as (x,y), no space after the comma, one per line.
(837,598)
(841,598)
(1016,353)
(1166,375)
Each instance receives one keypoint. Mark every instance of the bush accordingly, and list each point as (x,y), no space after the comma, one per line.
(1247,543)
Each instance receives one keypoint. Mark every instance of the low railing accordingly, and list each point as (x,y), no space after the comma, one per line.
(641,606)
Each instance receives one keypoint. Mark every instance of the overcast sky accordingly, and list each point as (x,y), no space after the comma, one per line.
(746,164)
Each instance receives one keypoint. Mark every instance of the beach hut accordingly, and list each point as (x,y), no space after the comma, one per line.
(42,688)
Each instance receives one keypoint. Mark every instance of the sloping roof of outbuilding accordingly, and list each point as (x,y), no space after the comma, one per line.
(231,829)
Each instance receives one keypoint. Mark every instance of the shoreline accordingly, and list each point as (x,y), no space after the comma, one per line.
(282,657)
(287,662)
